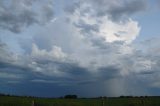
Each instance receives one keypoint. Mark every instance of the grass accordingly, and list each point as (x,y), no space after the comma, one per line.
(26,101)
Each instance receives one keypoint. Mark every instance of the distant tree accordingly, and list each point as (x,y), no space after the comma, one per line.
(70,96)
(122,96)
(126,96)
(2,94)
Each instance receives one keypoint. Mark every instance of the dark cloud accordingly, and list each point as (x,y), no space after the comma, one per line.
(63,74)
(19,14)
(109,72)
(45,70)
(72,7)
(87,28)
(116,10)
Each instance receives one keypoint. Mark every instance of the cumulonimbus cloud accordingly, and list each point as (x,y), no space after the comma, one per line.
(92,50)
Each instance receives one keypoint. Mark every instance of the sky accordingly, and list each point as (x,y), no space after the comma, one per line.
(50,48)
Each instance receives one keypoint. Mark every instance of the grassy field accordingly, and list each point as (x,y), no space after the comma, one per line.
(25,101)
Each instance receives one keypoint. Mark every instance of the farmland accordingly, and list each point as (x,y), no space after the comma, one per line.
(125,101)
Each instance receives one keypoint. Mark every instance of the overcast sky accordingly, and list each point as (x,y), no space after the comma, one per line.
(86,47)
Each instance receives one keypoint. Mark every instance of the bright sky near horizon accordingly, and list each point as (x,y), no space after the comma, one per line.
(86,47)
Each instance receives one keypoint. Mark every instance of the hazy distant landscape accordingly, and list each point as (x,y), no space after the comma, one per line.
(65,101)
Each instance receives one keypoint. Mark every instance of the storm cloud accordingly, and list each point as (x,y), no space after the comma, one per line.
(85,47)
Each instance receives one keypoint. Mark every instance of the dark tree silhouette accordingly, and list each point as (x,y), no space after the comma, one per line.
(70,96)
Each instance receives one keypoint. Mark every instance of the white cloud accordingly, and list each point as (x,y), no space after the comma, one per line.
(55,53)
(126,32)
(104,27)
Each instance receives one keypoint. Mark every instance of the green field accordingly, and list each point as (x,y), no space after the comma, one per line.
(26,101)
